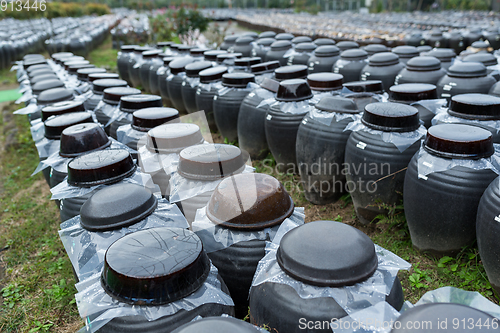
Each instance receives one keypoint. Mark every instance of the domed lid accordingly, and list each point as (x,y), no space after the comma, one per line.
(61,55)
(73,69)
(42,77)
(68,64)
(212,54)
(324,41)
(384,59)
(113,95)
(347,44)
(294,90)
(81,138)
(327,51)
(117,206)
(148,118)
(459,141)
(480,44)
(237,80)
(244,40)
(354,54)
(267,34)
(106,166)
(101,84)
(265,41)
(291,72)
(150,54)
(281,45)
(41,71)
(140,49)
(369,86)
(131,103)
(32,62)
(55,126)
(72,58)
(252,34)
(445,55)
(337,104)
(412,92)
(231,39)
(270,84)
(193,69)
(265,67)
(211,161)
(475,106)
(38,87)
(301,39)
(33,56)
(212,74)
(251,201)
(98,76)
(225,56)
(53,96)
(391,117)
(325,81)
(327,254)
(171,138)
(217,325)
(164,44)
(247,61)
(168,60)
(371,49)
(423,48)
(83,73)
(406,51)
(486,59)
(434,315)
(128,48)
(174,46)
(37,67)
(178,65)
(305,47)
(57,109)
(198,52)
(423,64)
(284,36)
(155,266)
(467,69)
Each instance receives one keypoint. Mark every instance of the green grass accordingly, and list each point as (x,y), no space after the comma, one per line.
(7,77)
(104,56)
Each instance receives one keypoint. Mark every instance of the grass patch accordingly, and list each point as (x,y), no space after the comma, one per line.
(104,56)
(8,78)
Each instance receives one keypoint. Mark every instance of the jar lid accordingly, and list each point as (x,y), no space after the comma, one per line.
(217,325)
(150,54)
(211,161)
(225,56)
(178,65)
(406,51)
(237,80)
(291,72)
(117,206)
(38,87)
(198,52)
(486,59)
(193,69)
(60,108)
(371,49)
(212,74)
(244,40)
(391,117)
(41,71)
(113,95)
(423,48)
(270,84)
(384,59)
(81,138)
(98,76)
(265,67)
(247,61)
(55,126)
(100,167)
(155,266)
(436,33)
(231,39)
(128,48)
(174,46)
(327,254)
(480,45)
(324,41)
(74,68)
(412,92)
(337,104)
(42,77)
(131,103)
(101,84)
(467,69)
(167,60)
(54,95)
(423,64)
(251,201)
(327,51)
(265,41)
(281,45)
(212,54)
(267,34)
(140,49)
(37,67)
(164,44)
(475,107)
(459,141)
(347,45)
(325,81)
(171,138)
(372,86)
(284,36)
(445,55)
(305,47)
(148,118)
(32,62)
(58,55)
(83,73)
(68,64)
(354,54)
(301,39)
(294,90)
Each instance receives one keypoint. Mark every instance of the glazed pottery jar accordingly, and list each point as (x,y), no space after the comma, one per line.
(487,59)
(174,82)
(110,103)
(48,97)
(122,61)
(267,34)
(324,84)
(457,42)
(98,87)
(446,56)
(405,53)
(147,57)
(384,66)
(262,46)
(463,78)
(300,54)
(415,39)
(290,72)
(134,65)
(162,74)
(191,82)
(284,36)
(228,43)
(436,39)
(155,64)
(347,45)
(423,69)
(409,93)
(212,56)
(228,59)
(323,59)
(198,53)
(243,45)
(371,49)
(278,50)
(424,48)
(210,83)
(324,41)
(350,64)
(447,175)
(244,65)
(364,92)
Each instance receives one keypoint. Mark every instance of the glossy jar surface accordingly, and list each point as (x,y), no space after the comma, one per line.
(384,66)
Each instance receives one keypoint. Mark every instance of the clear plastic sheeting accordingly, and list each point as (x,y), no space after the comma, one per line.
(292,52)
(107,109)
(192,81)
(384,97)
(259,49)
(378,318)
(434,106)
(326,118)
(259,78)
(209,86)
(224,90)
(258,329)
(31,108)
(263,93)
(98,308)
(351,298)
(289,107)
(217,238)
(182,75)
(37,130)
(318,95)
(428,163)
(128,135)
(402,140)
(118,115)
(442,116)
(47,147)
(86,249)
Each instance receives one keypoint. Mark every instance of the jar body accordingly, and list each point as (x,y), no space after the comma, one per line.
(351,70)
(245,50)
(191,205)
(154,88)
(144,74)
(277,55)
(386,74)
(448,86)
(91,103)
(430,77)
(205,101)
(122,65)
(162,74)
(189,97)
(134,69)
(321,64)
(298,59)
(226,109)
(70,207)
(251,126)
(113,127)
(174,87)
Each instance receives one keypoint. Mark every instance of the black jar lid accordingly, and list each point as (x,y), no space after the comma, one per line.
(193,69)
(327,51)
(467,69)
(134,102)
(164,44)
(284,36)
(117,206)
(281,45)
(475,106)
(371,49)
(337,104)
(294,90)
(305,47)
(445,55)
(391,117)
(54,95)
(150,54)
(198,52)
(325,81)
(211,161)
(412,92)
(212,54)
(38,87)
(170,138)
(347,45)
(114,94)
(82,138)
(212,74)
(68,64)
(267,34)
(83,73)
(37,67)
(231,39)
(354,54)
(324,41)
(406,51)
(168,60)
(270,84)
(148,118)
(32,62)
(59,55)
(42,71)
(101,84)
(99,167)
(301,39)
(99,76)
(423,64)
(55,126)
(327,254)
(225,56)
(217,325)
(291,72)
(265,67)
(252,201)
(459,141)
(43,77)
(73,69)
(265,41)
(486,59)
(369,86)
(384,59)
(237,80)
(178,65)
(480,45)
(424,48)
(140,49)
(60,108)
(244,40)
(247,61)
(128,48)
